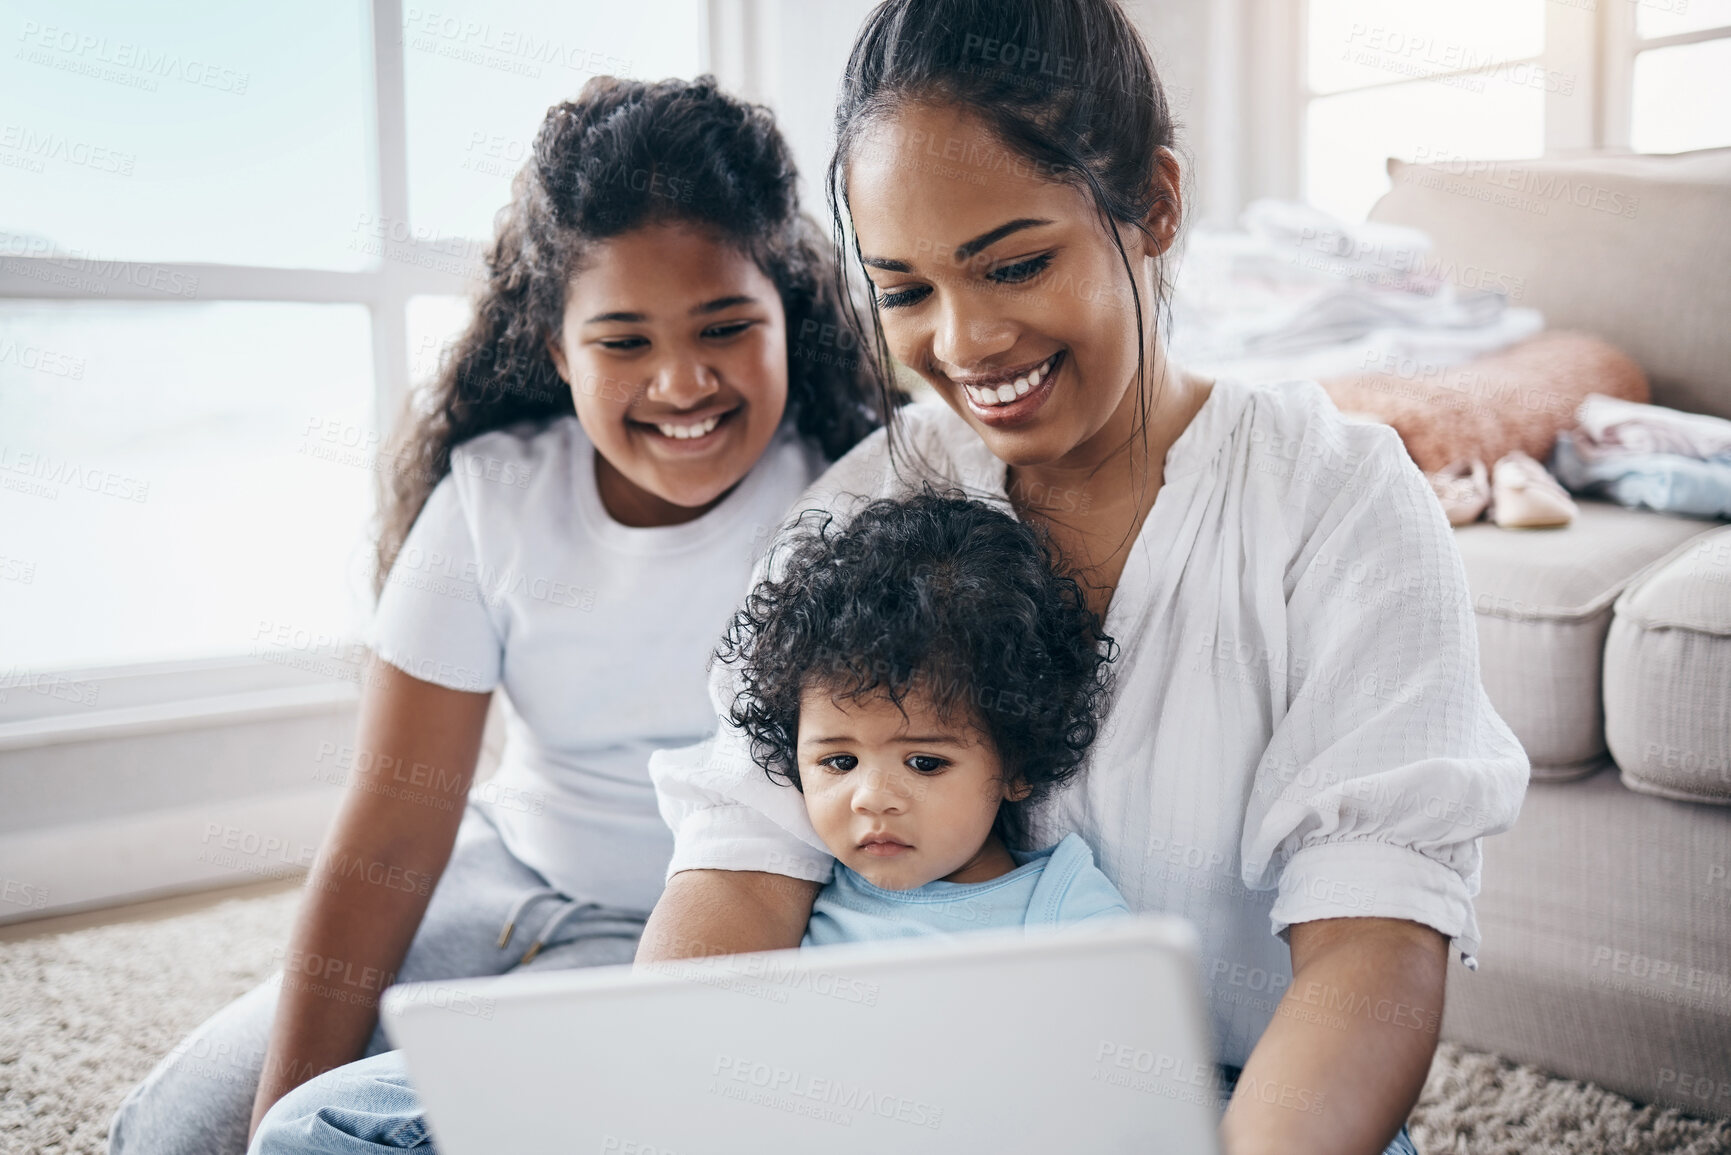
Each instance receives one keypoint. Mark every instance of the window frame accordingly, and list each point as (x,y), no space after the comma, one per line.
(191,693)
(1593,41)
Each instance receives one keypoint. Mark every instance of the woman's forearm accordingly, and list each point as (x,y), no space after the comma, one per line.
(1352,1040)
(710,912)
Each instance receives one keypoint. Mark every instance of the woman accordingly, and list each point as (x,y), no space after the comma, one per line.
(1298,742)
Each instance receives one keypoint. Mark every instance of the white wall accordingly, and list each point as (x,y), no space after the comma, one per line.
(790,54)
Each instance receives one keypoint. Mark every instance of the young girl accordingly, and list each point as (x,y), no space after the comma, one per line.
(1298,755)
(573,520)
(924,679)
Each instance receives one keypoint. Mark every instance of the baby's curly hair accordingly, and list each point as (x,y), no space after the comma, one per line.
(933,594)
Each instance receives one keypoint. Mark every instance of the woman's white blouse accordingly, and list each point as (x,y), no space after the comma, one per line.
(1297,731)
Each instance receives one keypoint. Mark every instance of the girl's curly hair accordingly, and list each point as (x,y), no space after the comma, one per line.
(626,154)
(933,595)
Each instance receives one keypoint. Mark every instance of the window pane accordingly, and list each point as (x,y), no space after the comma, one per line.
(1682,98)
(434,324)
(1354,43)
(480,77)
(186,130)
(1669,17)
(178,480)
(1349,137)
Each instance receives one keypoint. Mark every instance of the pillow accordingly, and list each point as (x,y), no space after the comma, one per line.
(1633,248)
(1518,398)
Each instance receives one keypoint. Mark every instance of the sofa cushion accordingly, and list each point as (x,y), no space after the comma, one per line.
(1543,601)
(1631,248)
(1668,675)
(1607,946)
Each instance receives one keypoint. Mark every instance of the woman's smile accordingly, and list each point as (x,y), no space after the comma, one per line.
(1002,399)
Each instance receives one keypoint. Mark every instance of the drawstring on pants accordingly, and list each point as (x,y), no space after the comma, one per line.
(566,908)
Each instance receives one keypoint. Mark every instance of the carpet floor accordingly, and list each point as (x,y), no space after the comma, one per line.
(85,1014)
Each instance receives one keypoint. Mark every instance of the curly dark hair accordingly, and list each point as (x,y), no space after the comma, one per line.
(933,594)
(623,155)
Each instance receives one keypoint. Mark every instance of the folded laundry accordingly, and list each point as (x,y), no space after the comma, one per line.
(1609,424)
(1667,482)
(1298,293)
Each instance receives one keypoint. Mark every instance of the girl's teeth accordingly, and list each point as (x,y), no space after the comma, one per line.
(686,432)
(1006,393)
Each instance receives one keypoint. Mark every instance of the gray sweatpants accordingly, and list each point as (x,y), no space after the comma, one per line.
(198,1100)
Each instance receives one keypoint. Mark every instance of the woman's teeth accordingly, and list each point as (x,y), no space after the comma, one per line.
(686,432)
(1006,393)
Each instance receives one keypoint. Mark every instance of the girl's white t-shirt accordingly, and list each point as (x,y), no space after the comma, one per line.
(1297,732)
(514,575)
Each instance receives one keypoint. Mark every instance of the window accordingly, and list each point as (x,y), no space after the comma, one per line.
(1502,80)
(230,239)
(1681,75)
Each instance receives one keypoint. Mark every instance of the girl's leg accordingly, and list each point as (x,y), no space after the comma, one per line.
(368,1108)
(198,1100)
(364,1107)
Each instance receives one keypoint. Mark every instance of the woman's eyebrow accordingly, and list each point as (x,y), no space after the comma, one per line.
(628,318)
(963,251)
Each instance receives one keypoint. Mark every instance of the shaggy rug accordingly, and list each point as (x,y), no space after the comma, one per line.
(85,1014)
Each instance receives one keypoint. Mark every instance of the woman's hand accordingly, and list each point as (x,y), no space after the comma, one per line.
(414,758)
(1346,1056)
(710,912)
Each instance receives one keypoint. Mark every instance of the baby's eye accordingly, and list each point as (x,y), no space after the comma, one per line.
(927,763)
(1021,270)
(840,763)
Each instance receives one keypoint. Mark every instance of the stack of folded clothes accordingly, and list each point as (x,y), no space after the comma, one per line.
(1647,456)
(1297,293)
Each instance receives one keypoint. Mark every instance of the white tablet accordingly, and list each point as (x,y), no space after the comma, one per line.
(1079,1040)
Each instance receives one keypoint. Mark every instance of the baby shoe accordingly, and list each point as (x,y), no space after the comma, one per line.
(1464,489)
(1524,496)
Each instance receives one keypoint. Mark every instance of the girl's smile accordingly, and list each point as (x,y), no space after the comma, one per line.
(686,433)
(675,342)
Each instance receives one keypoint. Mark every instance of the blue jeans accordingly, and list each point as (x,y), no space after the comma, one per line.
(368,1107)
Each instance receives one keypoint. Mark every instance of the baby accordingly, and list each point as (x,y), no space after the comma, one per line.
(924,678)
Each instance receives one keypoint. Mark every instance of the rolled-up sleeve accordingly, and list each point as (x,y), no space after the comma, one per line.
(724,810)
(726,814)
(1389,764)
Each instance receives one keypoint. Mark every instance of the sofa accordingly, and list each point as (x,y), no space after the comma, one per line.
(1606,646)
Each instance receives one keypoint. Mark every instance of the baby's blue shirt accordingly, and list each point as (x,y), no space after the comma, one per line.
(1058,886)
